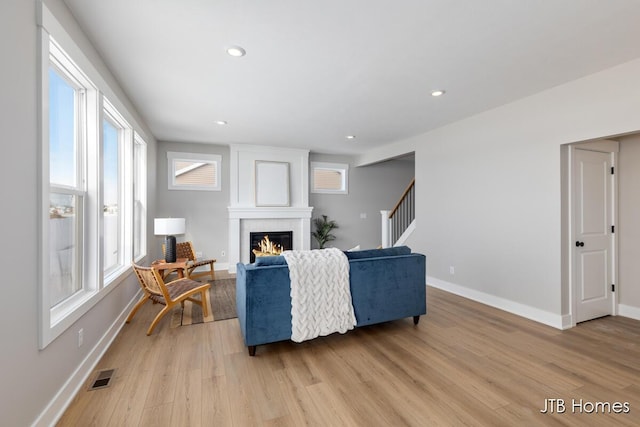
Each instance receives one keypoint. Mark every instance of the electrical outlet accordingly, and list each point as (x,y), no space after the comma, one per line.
(363,215)
(198,255)
(452,270)
(80,337)
(223,253)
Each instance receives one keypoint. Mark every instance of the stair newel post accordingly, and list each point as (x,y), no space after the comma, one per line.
(386,229)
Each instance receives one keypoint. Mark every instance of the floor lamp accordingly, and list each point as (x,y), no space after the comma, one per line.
(169,227)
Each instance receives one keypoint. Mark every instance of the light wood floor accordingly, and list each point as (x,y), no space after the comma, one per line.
(464,364)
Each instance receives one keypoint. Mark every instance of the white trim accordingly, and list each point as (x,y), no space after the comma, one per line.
(532,313)
(406,234)
(629,311)
(63,398)
(269,212)
(140,184)
(218,266)
(601,145)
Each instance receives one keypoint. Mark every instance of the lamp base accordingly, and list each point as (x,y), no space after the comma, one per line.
(170,249)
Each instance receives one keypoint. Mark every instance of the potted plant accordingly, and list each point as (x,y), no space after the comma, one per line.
(323,230)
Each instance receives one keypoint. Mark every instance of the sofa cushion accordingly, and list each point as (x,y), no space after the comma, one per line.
(375,253)
(270,260)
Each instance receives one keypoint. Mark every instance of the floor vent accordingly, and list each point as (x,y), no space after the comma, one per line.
(102,380)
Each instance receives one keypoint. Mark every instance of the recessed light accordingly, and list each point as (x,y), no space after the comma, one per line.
(351,137)
(236,51)
(438,92)
(220,122)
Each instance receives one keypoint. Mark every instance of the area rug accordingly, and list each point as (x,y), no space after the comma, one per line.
(221,298)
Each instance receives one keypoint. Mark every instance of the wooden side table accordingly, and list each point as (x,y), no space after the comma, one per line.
(166,268)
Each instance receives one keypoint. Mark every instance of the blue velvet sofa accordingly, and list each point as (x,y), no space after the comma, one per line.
(386,284)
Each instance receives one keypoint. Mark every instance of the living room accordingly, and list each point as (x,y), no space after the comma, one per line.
(491,191)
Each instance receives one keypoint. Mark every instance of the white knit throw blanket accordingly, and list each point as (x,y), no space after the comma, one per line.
(320,294)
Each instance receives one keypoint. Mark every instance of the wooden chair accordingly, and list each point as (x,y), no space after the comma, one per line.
(168,294)
(185,250)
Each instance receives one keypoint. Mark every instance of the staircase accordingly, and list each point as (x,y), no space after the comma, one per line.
(399,223)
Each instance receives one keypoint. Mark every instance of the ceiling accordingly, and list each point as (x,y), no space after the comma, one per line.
(317,71)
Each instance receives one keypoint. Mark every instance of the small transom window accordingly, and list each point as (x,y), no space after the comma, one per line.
(190,171)
(330,178)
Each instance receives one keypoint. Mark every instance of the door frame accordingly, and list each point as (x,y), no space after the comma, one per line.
(605,146)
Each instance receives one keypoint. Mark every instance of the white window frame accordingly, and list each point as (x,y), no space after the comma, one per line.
(53,321)
(125,192)
(139,195)
(66,69)
(342,168)
(173,157)
(57,318)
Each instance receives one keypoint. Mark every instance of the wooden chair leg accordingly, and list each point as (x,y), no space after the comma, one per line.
(213,272)
(164,311)
(137,307)
(204,303)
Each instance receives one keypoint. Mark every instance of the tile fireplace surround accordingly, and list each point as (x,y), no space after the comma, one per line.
(243,221)
(245,217)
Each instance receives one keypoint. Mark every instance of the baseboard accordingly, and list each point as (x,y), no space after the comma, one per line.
(567,321)
(629,311)
(221,266)
(55,409)
(541,316)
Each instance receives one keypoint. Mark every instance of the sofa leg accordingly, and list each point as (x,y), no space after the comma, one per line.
(416,319)
(252,350)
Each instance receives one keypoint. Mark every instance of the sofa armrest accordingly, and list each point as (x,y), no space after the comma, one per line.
(263,300)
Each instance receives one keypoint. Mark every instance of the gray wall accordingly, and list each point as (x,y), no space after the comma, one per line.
(629,221)
(371,189)
(489,190)
(205,211)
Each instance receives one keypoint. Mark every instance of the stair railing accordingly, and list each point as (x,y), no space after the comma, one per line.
(396,221)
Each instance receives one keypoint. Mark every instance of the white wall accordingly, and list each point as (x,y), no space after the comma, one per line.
(243,158)
(488,189)
(32,378)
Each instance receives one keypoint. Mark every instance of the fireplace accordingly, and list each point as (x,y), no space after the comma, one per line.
(269,243)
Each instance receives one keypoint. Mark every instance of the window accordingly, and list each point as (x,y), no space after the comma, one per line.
(189,171)
(116,143)
(139,198)
(329,178)
(66,182)
(93,191)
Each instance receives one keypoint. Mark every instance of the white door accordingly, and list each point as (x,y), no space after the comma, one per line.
(592,246)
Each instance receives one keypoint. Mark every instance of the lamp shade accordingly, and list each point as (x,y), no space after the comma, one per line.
(169,226)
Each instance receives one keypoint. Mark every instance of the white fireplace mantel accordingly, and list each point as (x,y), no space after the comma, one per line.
(263,213)
(245,217)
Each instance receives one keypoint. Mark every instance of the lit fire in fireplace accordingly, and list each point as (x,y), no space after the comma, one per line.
(267,248)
